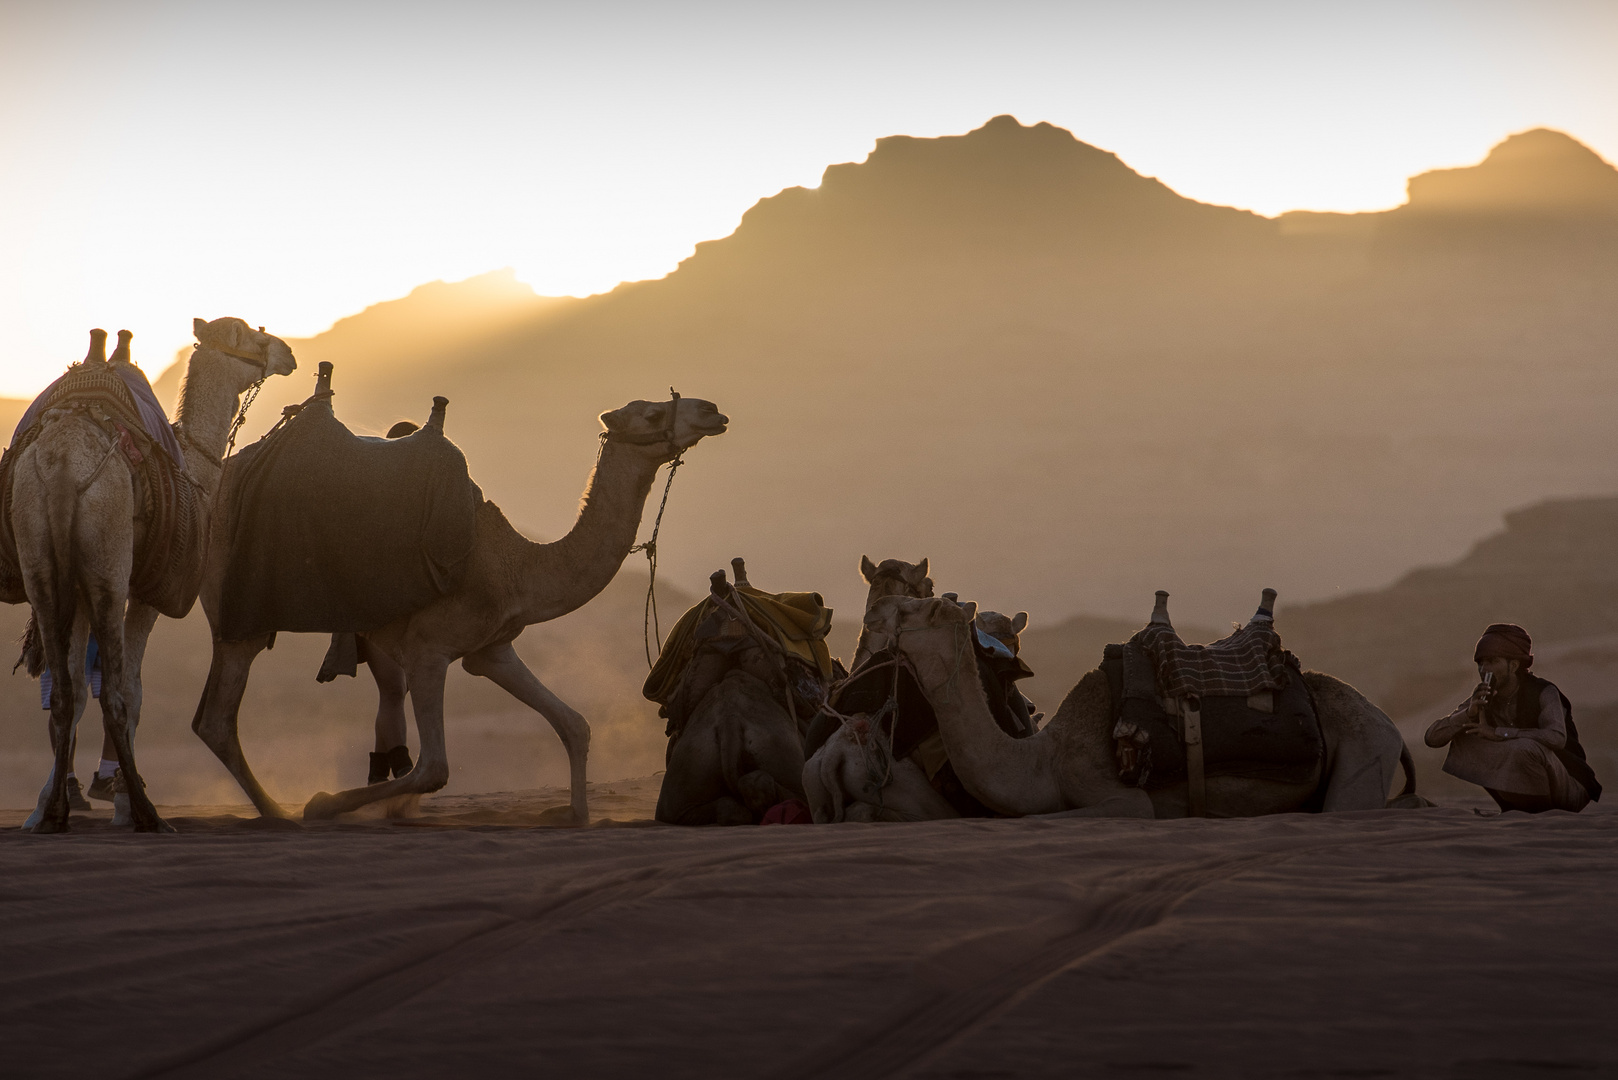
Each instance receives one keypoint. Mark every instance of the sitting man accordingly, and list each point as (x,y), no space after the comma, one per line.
(1515,736)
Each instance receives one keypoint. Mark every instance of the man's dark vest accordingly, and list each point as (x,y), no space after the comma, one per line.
(1571,755)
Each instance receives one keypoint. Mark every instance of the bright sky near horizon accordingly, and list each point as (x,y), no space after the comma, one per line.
(292,163)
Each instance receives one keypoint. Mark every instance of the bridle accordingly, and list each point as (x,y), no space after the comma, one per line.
(666,435)
(962,644)
(650,627)
(262,363)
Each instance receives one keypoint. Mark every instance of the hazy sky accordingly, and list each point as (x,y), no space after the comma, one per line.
(292,163)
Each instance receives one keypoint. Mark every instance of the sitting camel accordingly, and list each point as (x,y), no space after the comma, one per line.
(80,527)
(853,776)
(852,773)
(1069,767)
(739,755)
(736,714)
(893,577)
(510,583)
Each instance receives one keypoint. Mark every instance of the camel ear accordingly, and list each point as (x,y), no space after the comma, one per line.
(197,327)
(1019,621)
(971,609)
(922,566)
(867,567)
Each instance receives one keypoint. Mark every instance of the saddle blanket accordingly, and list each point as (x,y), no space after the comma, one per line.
(1244,663)
(332,532)
(1284,744)
(153,420)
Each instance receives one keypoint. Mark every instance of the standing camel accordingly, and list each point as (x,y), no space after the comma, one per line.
(1069,766)
(510,583)
(75,516)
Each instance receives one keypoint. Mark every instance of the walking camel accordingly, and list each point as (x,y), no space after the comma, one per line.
(510,583)
(77,532)
(1068,767)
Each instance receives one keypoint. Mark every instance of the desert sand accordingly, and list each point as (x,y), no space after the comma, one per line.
(472,940)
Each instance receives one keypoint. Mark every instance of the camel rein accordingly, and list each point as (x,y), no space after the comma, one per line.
(650,626)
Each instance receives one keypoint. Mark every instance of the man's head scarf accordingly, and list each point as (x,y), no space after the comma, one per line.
(1507,640)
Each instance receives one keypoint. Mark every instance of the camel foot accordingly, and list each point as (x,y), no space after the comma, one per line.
(47,826)
(322,807)
(155,825)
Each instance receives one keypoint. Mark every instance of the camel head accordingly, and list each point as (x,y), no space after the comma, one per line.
(890,618)
(261,354)
(664,428)
(895,577)
(1003,629)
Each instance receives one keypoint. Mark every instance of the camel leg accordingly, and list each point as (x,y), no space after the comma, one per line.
(138,624)
(431,771)
(107,616)
(501,666)
(218,713)
(67,688)
(78,678)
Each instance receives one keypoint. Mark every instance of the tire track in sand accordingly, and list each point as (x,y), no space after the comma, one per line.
(942,1013)
(378,987)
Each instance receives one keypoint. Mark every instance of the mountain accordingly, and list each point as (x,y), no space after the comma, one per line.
(1065,383)
(1536,173)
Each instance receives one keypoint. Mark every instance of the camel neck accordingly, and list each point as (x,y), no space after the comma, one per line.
(565,575)
(208,404)
(947,669)
(992,765)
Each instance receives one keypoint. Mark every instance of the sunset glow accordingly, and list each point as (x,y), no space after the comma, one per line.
(294,164)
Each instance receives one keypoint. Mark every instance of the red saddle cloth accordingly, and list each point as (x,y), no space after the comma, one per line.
(791,812)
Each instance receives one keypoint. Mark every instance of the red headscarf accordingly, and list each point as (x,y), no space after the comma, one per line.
(1506,640)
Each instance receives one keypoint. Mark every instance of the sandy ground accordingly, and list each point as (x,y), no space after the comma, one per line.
(473,941)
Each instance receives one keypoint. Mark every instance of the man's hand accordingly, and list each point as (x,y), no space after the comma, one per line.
(1480,698)
(1484,731)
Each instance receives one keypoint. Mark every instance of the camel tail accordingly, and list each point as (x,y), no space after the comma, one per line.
(1409,767)
(61,512)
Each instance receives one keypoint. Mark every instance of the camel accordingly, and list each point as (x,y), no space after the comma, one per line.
(853,777)
(893,577)
(77,531)
(851,773)
(739,755)
(736,718)
(1068,767)
(1006,629)
(510,583)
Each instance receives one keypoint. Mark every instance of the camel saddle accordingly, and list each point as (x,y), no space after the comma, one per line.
(707,643)
(172,509)
(1268,733)
(333,532)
